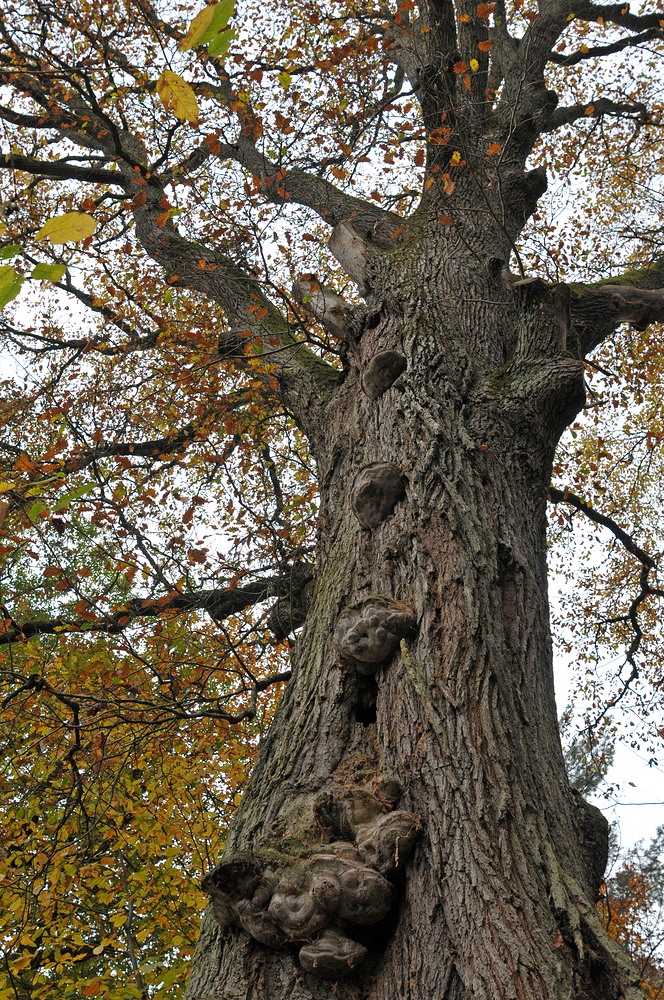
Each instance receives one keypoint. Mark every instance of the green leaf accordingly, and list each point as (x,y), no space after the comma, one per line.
(209,27)
(222,42)
(49,272)
(37,508)
(10,284)
(284,79)
(223,12)
(74,495)
(67,228)
(10,251)
(197,29)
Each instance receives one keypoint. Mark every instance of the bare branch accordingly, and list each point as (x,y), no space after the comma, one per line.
(645,591)
(595,109)
(599,51)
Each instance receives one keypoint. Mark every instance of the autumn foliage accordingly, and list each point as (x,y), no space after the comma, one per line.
(168,178)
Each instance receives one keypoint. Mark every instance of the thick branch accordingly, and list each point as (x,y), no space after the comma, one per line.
(220,603)
(598,309)
(616,13)
(595,109)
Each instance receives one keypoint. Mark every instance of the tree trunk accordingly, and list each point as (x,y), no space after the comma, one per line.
(433,486)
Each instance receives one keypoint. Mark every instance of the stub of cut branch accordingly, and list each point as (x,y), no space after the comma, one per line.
(322,303)
(351,251)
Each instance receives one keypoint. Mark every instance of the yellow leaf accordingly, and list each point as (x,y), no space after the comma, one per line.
(177,96)
(474,65)
(67,228)
(197,29)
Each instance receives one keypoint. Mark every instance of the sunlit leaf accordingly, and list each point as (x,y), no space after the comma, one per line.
(68,228)
(10,284)
(177,96)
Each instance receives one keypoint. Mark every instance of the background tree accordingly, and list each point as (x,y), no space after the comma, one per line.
(409,829)
(633,910)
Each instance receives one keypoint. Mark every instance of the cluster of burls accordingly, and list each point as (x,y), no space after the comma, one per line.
(315,901)
(368,633)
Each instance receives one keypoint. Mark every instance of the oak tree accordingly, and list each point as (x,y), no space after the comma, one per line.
(303,340)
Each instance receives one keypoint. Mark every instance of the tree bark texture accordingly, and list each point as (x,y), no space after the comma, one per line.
(434,458)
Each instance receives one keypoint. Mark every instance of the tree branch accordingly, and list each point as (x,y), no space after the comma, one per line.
(564,496)
(595,109)
(220,603)
(60,169)
(648,564)
(635,297)
(599,51)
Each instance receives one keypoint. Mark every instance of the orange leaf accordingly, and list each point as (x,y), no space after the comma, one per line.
(445,220)
(494,148)
(138,200)
(486,45)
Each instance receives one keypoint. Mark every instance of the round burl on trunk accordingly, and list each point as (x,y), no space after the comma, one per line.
(367,634)
(377,490)
(381,372)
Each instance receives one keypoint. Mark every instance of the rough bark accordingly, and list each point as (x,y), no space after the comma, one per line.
(459,717)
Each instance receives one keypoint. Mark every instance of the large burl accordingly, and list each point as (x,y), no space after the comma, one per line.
(377,490)
(315,900)
(368,633)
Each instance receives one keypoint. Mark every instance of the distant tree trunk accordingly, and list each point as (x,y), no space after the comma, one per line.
(496,900)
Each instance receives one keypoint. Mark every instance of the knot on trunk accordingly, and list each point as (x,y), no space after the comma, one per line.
(377,490)
(332,956)
(289,611)
(381,372)
(367,634)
